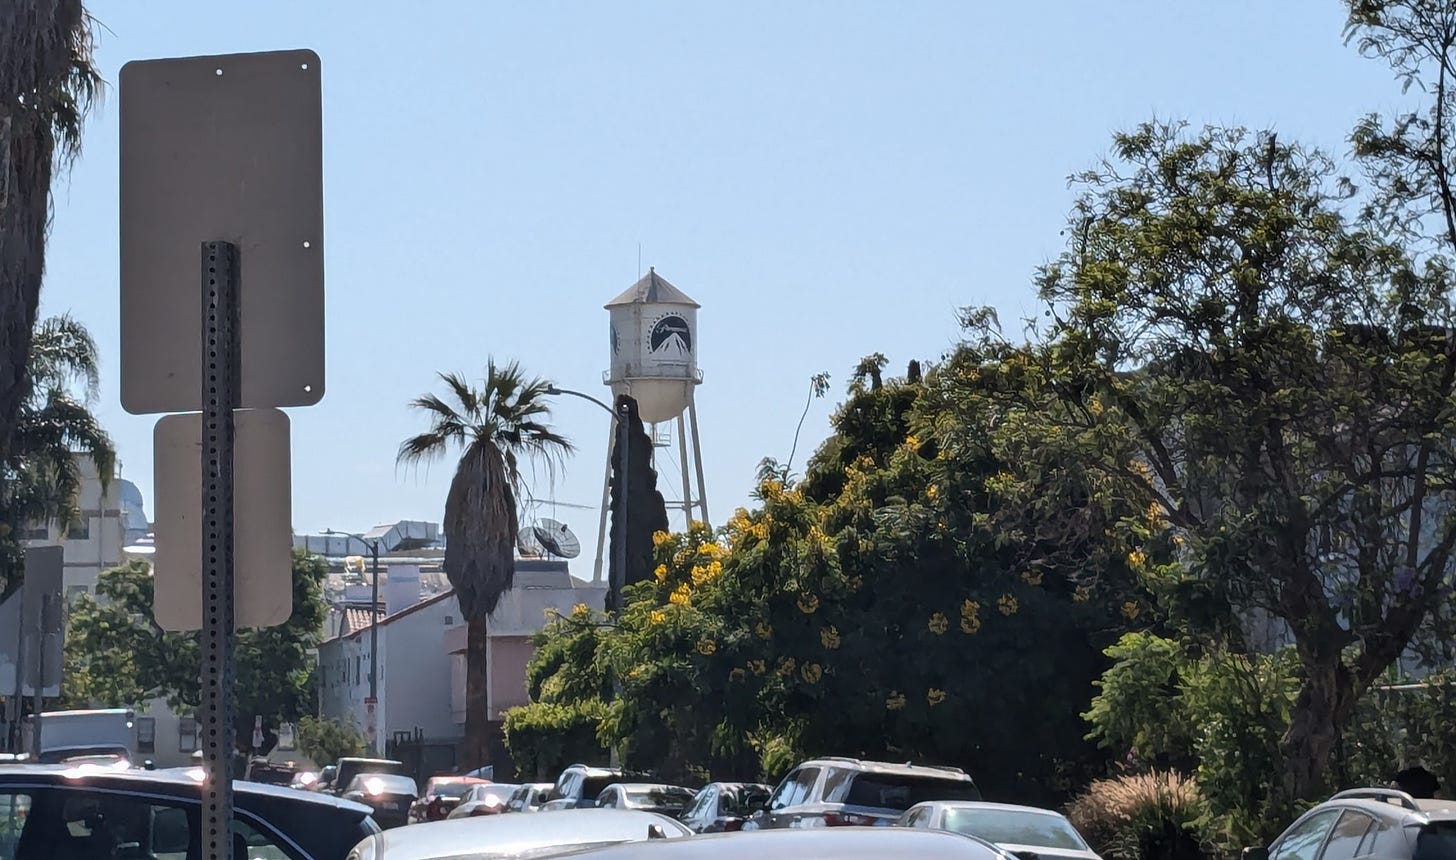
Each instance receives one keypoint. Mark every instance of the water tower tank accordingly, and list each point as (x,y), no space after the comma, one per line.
(654,347)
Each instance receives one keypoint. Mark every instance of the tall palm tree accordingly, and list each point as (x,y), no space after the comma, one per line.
(41,476)
(47,84)
(495,428)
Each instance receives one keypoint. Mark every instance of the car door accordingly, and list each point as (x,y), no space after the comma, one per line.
(785,808)
(1303,840)
(1347,836)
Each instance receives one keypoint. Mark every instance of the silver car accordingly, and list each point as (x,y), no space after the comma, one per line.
(1026,831)
(816,843)
(514,837)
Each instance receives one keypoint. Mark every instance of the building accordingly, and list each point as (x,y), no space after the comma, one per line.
(94,542)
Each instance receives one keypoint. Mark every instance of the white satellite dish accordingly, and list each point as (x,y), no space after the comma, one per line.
(527,544)
(557,539)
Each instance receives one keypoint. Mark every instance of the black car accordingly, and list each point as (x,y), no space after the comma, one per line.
(51,811)
(390,795)
(847,792)
(1366,822)
(722,807)
(579,785)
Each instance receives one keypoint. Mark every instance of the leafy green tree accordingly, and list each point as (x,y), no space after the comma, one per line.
(327,741)
(494,427)
(48,82)
(1273,380)
(116,655)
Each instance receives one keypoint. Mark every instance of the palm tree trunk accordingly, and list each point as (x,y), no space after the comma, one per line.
(477,703)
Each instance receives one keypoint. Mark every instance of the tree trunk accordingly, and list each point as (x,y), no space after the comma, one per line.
(1321,710)
(477,716)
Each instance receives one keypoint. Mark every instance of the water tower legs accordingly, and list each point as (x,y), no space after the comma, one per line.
(687,484)
(698,460)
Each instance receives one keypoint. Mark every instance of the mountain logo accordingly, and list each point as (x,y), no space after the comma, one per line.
(671,338)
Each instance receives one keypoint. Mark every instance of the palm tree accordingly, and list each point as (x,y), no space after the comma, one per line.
(47,84)
(41,476)
(495,427)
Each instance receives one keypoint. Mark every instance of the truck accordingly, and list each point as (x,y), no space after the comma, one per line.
(99,734)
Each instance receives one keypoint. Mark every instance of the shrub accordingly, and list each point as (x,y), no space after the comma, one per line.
(327,741)
(545,737)
(1152,816)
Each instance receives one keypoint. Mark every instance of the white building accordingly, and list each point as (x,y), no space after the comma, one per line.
(93,543)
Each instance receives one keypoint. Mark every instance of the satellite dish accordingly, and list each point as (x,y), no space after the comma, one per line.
(528,545)
(557,539)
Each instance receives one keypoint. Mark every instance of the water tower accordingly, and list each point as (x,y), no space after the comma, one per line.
(655,361)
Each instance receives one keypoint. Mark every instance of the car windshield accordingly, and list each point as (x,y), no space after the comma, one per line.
(1015,827)
(660,797)
(1436,841)
(899,792)
(745,800)
(494,793)
(384,783)
(593,785)
(450,788)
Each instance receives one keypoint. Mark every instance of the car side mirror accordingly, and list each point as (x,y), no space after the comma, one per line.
(1255,853)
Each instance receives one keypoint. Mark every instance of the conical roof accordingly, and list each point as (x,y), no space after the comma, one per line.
(652,289)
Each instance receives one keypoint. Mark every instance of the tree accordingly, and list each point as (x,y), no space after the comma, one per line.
(495,427)
(41,476)
(326,741)
(47,85)
(646,509)
(116,655)
(1272,381)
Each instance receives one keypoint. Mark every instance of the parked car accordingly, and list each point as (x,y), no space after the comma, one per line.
(348,768)
(272,773)
(839,843)
(578,786)
(721,807)
(441,794)
(1368,822)
(52,811)
(512,836)
(390,795)
(839,792)
(325,781)
(487,799)
(1026,831)
(668,800)
(529,797)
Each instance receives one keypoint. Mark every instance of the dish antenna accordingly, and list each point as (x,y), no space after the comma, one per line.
(557,539)
(527,544)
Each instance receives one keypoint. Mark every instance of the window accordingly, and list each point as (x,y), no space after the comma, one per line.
(106,825)
(796,789)
(260,847)
(36,533)
(146,734)
(79,529)
(1345,839)
(187,735)
(14,812)
(1304,838)
(899,792)
(358,662)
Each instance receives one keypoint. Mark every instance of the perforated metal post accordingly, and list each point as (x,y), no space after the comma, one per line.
(219,398)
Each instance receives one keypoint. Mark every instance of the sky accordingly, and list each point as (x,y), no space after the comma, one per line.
(827,179)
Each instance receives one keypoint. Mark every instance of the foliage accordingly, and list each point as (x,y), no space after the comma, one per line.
(647,511)
(42,475)
(1150,816)
(116,655)
(545,737)
(1402,724)
(326,741)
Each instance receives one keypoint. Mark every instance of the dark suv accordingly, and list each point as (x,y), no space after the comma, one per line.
(578,786)
(832,792)
(1366,822)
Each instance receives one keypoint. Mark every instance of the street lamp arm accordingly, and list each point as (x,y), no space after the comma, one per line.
(554,391)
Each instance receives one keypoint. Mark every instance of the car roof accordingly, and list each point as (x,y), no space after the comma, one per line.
(981,804)
(650,786)
(901,768)
(506,834)
(174,781)
(841,843)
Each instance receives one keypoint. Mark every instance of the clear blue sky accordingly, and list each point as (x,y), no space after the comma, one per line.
(828,179)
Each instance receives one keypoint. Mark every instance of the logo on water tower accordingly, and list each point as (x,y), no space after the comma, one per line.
(671,340)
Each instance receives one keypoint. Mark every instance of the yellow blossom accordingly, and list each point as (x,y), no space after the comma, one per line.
(1007,605)
(786,666)
(896,700)
(932,492)
(912,442)
(657,616)
(808,603)
(698,528)
(771,490)
(659,538)
(681,596)
(943,454)
(580,610)
(829,638)
(1136,559)
(706,573)
(1178,540)
(934,696)
(1141,469)
(1095,407)
(763,630)
(660,572)
(759,530)
(812,672)
(737,674)
(706,647)
(1032,577)
(758,667)
(1082,594)
(1130,610)
(712,549)
(1155,515)
(970,609)
(938,623)
(971,625)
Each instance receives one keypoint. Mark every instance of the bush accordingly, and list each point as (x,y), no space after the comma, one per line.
(326,741)
(545,737)
(1151,816)
(1399,725)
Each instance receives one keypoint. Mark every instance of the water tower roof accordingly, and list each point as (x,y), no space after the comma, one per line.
(652,289)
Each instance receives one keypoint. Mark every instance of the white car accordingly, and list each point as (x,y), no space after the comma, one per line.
(1026,831)
(509,837)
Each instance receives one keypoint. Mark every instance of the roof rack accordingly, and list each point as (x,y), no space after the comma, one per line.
(908,764)
(1384,795)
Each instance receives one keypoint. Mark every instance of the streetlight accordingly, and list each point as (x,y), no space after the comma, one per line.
(373,701)
(619,572)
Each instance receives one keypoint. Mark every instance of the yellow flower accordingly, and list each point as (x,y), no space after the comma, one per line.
(1007,605)
(1095,407)
(706,647)
(808,604)
(706,573)
(896,700)
(712,550)
(657,616)
(829,638)
(759,530)
(659,538)
(932,492)
(771,490)
(812,672)
(580,610)
(938,623)
(912,442)
(786,666)
(1032,577)
(1136,559)
(1082,594)
(681,596)
(1130,610)
(1155,515)
(943,454)
(660,572)
(763,630)
(1141,469)
(758,667)
(971,626)
(934,696)
(737,674)
(698,528)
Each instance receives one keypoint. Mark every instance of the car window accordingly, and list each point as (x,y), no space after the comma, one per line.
(1347,836)
(1436,841)
(260,845)
(918,818)
(593,785)
(802,789)
(1015,827)
(1303,840)
(744,801)
(14,813)
(607,799)
(112,825)
(899,792)
(785,792)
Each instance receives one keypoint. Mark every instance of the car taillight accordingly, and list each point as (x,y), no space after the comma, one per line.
(732,825)
(849,819)
(436,809)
